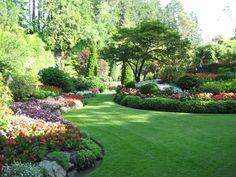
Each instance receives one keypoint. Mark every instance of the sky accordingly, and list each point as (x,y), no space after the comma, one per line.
(216,17)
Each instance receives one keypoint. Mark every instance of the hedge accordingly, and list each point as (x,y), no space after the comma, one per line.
(174,105)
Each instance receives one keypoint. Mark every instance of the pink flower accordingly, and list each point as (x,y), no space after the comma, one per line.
(11,142)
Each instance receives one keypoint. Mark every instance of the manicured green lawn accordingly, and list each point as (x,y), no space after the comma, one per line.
(141,143)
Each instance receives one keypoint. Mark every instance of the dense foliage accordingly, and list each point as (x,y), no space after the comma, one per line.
(150,41)
(175,105)
(56,77)
(23,86)
(187,82)
(149,88)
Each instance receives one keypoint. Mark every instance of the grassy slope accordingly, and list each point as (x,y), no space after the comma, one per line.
(141,143)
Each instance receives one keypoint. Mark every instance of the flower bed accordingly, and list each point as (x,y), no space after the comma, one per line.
(177,105)
(37,131)
(30,140)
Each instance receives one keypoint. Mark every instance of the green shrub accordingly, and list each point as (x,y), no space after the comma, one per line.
(127,74)
(24,170)
(5,93)
(23,86)
(96,82)
(149,88)
(92,146)
(226,76)
(187,82)
(5,121)
(61,158)
(84,134)
(171,74)
(222,70)
(85,159)
(130,85)
(81,84)
(56,77)
(217,86)
(88,83)
(174,105)
(40,94)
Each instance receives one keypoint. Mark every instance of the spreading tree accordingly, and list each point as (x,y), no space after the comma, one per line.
(151,41)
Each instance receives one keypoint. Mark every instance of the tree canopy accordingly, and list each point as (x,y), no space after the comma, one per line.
(151,41)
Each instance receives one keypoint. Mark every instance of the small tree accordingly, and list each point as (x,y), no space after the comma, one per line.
(126,74)
(93,62)
(114,72)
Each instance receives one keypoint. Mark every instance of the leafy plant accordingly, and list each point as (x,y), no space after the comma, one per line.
(23,86)
(130,85)
(149,88)
(25,170)
(85,159)
(56,77)
(175,105)
(45,93)
(226,76)
(61,158)
(171,74)
(5,121)
(217,86)
(92,146)
(5,93)
(187,82)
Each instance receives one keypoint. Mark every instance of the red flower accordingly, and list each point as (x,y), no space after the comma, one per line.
(11,142)
(1,167)
(28,140)
(62,138)
(43,141)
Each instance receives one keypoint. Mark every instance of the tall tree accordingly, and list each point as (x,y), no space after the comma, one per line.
(174,16)
(61,29)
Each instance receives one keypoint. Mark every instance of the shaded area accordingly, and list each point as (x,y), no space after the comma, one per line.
(141,143)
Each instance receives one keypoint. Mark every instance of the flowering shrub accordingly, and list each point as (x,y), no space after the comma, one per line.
(207,75)
(29,140)
(221,96)
(39,110)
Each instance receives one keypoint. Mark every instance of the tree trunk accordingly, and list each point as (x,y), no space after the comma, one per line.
(40,5)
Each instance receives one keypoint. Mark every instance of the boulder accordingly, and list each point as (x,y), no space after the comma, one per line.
(52,168)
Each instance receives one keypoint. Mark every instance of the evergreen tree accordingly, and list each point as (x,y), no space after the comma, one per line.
(126,73)
(93,62)
(114,72)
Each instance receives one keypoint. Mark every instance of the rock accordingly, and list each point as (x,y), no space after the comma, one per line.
(73,173)
(73,157)
(53,169)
